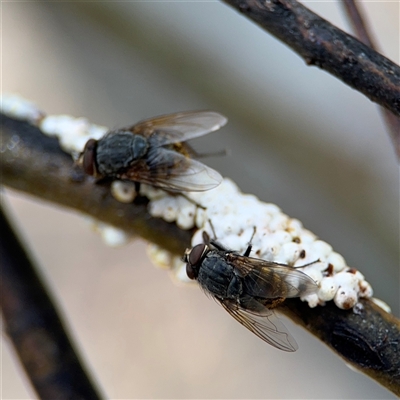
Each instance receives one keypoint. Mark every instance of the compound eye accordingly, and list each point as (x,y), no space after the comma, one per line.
(196,255)
(190,272)
(193,260)
(89,154)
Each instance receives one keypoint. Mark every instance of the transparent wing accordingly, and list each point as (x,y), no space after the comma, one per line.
(267,279)
(179,127)
(170,170)
(265,324)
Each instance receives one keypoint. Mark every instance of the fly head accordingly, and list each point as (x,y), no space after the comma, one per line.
(194,258)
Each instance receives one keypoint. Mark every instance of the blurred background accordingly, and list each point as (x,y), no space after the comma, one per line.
(298,138)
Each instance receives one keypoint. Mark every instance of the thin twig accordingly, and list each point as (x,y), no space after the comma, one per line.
(368,340)
(361,30)
(34,327)
(321,44)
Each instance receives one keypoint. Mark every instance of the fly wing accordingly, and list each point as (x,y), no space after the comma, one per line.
(265,324)
(267,279)
(172,171)
(179,127)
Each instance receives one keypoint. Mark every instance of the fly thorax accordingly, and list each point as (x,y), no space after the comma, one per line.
(215,275)
(235,288)
(117,151)
(139,147)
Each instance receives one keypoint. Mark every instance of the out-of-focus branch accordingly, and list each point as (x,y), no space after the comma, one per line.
(36,331)
(322,44)
(34,163)
(361,30)
(357,22)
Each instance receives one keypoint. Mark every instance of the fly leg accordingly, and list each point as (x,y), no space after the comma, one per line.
(249,247)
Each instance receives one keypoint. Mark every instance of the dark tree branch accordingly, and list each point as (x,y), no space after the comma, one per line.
(360,28)
(320,43)
(369,340)
(36,331)
(36,165)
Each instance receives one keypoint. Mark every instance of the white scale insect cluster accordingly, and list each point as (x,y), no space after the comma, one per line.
(234,216)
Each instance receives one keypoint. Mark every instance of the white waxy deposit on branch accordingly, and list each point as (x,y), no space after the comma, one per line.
(235,216)
(277,238)
(111,235)
(125,192)
(72,133)
(17,107)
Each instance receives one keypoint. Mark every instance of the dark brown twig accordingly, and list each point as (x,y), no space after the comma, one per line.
(369,340)
(327,47)
(360,28)
(34,327)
